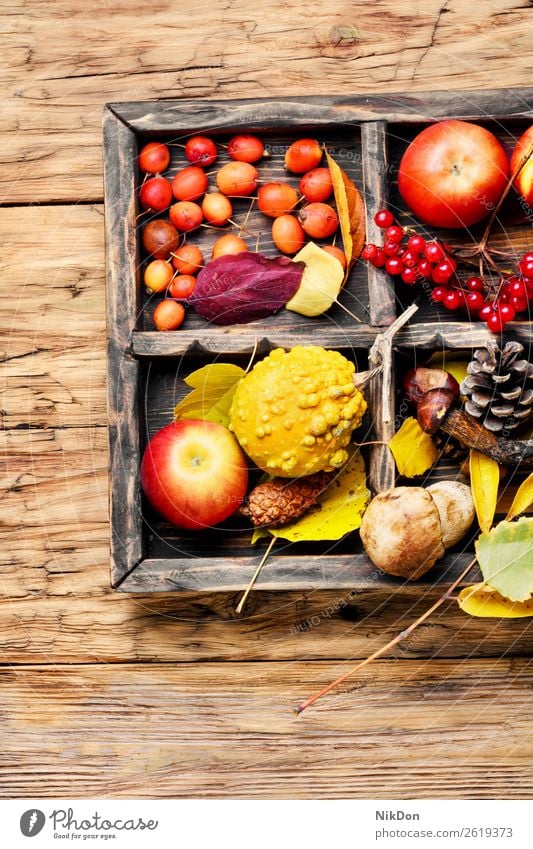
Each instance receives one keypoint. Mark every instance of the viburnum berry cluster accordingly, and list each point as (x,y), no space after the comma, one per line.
(417,260)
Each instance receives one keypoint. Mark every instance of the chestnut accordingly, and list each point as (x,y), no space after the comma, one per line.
(418,381)
(433,408)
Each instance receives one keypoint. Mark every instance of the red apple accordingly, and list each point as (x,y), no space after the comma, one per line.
(524,180)
(194,473)
(453,173)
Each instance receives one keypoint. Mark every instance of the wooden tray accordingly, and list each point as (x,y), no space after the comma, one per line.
(366,135)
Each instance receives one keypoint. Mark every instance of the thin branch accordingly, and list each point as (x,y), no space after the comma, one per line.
(394,642)
(255,576)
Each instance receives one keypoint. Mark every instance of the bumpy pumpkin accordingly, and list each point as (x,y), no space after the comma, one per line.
(294,413)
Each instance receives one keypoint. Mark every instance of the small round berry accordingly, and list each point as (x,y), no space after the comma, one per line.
(190,183)
(475,284)
(383,218)
(409,276)
(237,179)
(316,186)
(474,301)
(425,268)
(319,220)
(452,299)
(303,155)
(409,259)
(495,321)
(154,158)
(507,312)
(288,234)
(246,148)
(485,311)
(380,259)
(394,233)
(439,293)
(155,194)
(442,272)
(391,248)
(519,303)
(416,244)
(336,252)
(369,252)
(230,243)
(186,215)
(188,259)
(182,287)
(517,287)
(157,275)
(274,199)
(168,315)
(201,151)
(217,209)
(525,267)
(394,265)
(434,252)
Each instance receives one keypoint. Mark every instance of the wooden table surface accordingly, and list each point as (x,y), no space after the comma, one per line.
(104,694)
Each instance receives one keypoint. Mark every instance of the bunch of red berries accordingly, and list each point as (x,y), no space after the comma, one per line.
(416,260)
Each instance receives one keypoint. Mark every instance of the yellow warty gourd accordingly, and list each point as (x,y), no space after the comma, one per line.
(294,413)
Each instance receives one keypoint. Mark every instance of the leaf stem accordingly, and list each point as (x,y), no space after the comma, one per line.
(394,642)
(254,578)
(512,178)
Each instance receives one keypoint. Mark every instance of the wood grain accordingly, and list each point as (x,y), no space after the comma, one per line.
(120,729)
(397,730)
(67,61)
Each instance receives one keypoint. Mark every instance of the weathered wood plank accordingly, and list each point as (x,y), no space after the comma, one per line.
(382,300)
(123,372)
(66,61)
(428,336)
(349,571)
(438,729)
(260,114)
(60,608)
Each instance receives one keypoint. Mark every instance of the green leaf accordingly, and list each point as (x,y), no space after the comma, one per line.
(523,498)
(483,600)
(505,556)
(413,450)
(338,510)
(484,480)
(213,389)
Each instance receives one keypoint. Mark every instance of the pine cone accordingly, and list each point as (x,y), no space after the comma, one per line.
(499,386)
(280,500)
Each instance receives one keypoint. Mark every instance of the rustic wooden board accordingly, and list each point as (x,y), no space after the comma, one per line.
(407,730)
(65,61)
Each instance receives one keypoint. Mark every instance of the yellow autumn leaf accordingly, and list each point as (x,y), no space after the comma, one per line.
(523,499)
(351,211)
(338,510)
(213,387)
(450,362)
(413,450)
(482,600)
(321,281)
(484,481)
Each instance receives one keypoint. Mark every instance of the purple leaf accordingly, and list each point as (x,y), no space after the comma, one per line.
(235,289)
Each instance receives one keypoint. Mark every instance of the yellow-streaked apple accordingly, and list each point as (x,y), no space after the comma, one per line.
(194,473)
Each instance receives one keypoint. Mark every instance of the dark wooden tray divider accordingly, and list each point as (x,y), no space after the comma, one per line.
(132,567)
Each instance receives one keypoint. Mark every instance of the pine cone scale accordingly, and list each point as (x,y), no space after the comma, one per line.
(498,386)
